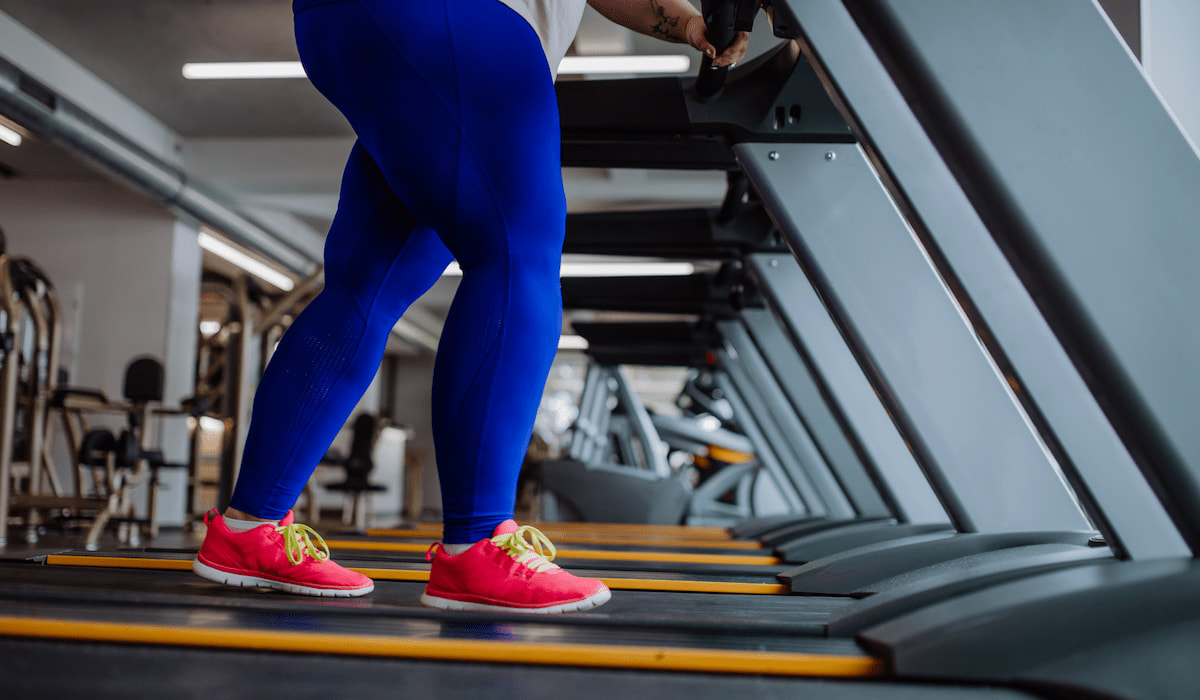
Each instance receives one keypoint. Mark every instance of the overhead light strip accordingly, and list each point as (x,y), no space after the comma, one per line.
(259,269)
(243,70)
(572,342)
(624,269)
(571,65)
(609,269)
(608,65)
(9,136)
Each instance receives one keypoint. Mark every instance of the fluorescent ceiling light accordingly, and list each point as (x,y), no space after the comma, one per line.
(571,65)
(599,65)
(9,136)
(620,269)
(243,70)
(572,342)
(259,269)
(610,269)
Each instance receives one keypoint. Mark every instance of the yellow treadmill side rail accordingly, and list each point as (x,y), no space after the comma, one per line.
(470,650)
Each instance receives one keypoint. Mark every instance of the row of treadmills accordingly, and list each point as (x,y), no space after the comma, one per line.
(953,304)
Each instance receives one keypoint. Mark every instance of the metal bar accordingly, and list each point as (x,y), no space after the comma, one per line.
(799,307)
(8,392)
(294,298)
(801,391)
(595,449)
(792,432)
(598,448)
(642,426)
(954,407)
(801,498)
(584,422)
(36,390)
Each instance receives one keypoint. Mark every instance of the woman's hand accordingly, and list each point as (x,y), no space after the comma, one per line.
(671,20)
(694,31)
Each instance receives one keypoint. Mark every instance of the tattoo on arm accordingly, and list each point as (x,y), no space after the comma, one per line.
(665,26)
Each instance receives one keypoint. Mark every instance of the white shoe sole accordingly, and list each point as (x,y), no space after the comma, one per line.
(586,604)
(208,572)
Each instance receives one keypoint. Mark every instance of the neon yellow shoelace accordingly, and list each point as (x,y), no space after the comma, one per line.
(299,540)
(536,553)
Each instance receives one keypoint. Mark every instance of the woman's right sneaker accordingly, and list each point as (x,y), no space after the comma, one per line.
(289,557)
(508,573)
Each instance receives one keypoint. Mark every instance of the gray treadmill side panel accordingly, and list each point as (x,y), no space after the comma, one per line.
(803,394)
(796,302)
(973,440)
(1129,512)
(791,431)
(1083,175)
(764,450)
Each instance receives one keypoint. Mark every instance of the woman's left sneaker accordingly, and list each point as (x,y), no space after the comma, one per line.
(508,573)
(289,557)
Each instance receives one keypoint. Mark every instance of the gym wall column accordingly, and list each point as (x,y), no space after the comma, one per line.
(1171,57)
(413,395)
(111,256)
(179,362)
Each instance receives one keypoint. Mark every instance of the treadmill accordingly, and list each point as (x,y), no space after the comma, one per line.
(935,206)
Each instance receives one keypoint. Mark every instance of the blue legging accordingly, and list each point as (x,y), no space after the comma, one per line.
(457,157)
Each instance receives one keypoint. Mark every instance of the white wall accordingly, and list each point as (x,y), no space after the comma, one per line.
(127,275)
(1171,56)
(179,361)
(413,398)
(388,459)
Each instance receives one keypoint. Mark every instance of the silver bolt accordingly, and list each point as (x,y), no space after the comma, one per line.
(773,155)
(774,263)
(830,156)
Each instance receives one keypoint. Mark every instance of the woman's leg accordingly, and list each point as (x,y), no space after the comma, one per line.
(378,260)
(455,102)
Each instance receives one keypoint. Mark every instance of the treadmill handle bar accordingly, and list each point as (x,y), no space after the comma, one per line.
(724,19)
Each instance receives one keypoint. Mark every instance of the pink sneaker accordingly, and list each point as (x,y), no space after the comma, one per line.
(291,558)
(508,573)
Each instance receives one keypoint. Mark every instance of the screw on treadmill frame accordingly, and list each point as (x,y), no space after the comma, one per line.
(830,156)
(773,155)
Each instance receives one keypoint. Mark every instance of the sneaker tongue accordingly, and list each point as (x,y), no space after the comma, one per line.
(287,519)
(505,528)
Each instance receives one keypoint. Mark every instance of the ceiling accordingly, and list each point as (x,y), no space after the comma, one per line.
(277,145)
(139,47)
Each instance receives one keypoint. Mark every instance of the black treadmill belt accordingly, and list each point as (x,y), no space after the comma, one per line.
(606,567)
(365,630)
(34,668)
(710,612)
(674,547)
(747,573)
(762,581)
(173,620)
